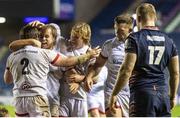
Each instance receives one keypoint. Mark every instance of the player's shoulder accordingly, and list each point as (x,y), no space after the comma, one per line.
(144,32)
(153,32)
(46,50)
(10,56)
(134,35)
(109,41)
(161,33)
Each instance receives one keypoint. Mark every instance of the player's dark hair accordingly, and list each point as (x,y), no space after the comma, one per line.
(28,31)
(124,18)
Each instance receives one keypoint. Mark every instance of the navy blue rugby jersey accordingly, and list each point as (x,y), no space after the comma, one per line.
(154,50)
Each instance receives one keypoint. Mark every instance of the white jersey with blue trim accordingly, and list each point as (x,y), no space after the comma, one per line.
(29,67)
(114,51)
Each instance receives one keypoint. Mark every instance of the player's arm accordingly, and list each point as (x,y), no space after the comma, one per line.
(36,23)
(93,71)
(71,61)
(125,72)
(173,68)
(76,78)
(18,44)
(8,79)
(73,76)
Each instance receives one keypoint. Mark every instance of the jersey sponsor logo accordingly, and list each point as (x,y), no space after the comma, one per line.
(117,61)
(26,85)
(25,51)
(155,38)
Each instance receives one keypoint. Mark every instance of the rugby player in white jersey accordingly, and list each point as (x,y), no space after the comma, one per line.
(96,106)
(73,87)
(28,67)
(73,97)
(50,38)
(113,54)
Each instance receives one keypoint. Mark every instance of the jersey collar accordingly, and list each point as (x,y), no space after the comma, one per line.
(151,27)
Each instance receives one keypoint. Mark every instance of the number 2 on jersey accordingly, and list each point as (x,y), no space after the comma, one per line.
(25,63)
(155,60)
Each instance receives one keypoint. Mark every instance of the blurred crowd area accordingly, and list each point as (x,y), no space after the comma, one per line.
(98,13)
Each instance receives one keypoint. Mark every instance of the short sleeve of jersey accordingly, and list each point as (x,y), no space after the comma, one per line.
(130,45)
(104,51)
(8,62)
(55,68)
(52,56)
(174,50)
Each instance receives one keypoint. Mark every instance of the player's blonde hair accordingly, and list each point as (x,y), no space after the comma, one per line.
(146,11)
(82,29)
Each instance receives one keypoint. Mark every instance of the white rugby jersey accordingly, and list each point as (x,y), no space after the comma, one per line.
(64,90)
(53,83)
(55,73)
(29,67)
(114,51)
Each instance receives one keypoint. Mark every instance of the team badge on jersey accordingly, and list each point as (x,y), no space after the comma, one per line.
(25,86)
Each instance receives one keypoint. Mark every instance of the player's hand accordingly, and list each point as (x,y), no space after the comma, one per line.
(76,78)
(70,72)
(112,104)
(95,79)
(36,23)
(73,87)
(94,52)
(172,103)
(36,43)
(88,83)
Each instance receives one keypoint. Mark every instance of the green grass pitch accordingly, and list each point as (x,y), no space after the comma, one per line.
(175,111)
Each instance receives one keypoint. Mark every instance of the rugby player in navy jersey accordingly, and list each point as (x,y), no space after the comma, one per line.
(148,53)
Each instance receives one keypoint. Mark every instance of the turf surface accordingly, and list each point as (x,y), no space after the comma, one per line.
(175,111)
